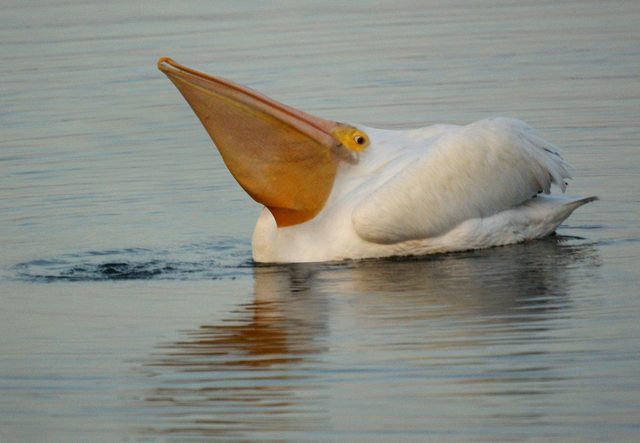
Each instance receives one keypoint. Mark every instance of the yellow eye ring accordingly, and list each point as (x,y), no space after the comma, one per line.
(350,137)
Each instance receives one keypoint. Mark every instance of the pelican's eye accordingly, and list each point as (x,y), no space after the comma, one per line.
(359,140)
(351,138)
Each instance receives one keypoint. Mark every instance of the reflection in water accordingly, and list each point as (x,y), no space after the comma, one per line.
(487,285)
(255,371)
(469,325)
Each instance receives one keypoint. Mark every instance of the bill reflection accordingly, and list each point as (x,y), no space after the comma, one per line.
(255,370)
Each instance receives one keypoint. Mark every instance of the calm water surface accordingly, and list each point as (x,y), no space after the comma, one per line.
(129,305)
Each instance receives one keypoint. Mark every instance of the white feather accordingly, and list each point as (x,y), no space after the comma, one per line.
(468,172)
(435,189)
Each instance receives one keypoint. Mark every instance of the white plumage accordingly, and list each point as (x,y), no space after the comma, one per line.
(435,189)
(333,191)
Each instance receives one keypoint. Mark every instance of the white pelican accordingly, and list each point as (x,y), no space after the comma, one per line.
(334,191)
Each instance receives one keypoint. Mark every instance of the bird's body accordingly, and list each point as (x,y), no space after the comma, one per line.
(333,191)
(442,188)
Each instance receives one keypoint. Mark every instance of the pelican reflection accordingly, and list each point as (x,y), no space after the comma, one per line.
(266,369)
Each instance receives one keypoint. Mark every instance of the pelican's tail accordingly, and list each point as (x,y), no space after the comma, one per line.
(548,211)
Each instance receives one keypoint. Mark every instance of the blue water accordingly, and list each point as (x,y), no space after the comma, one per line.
(130,308)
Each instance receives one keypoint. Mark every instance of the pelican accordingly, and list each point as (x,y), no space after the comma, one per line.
(336,191)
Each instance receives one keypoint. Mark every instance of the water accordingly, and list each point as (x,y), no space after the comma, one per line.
(131,310)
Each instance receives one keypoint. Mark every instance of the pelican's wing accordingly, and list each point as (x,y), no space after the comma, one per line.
(469,172)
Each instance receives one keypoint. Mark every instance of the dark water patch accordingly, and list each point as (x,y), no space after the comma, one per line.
(584,226)
(227,258)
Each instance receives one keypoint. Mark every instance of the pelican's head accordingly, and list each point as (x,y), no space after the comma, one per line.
(284,158)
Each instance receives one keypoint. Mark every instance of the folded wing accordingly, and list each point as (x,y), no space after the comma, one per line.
(469,172)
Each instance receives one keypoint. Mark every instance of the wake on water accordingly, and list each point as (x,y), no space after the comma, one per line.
(228,258)
(222,259)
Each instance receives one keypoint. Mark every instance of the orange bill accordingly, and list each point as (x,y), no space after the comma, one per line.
(284,158)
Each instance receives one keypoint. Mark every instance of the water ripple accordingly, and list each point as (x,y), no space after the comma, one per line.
(226,258)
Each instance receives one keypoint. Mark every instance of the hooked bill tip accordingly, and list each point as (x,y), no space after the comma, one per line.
(164,61)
